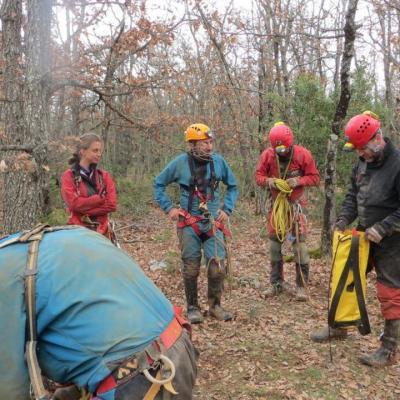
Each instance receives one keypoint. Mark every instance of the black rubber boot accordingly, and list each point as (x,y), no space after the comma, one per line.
(323,334)
(386,354)
(278,285)
(302,273)
(276,272)
(216,276)
(193,312)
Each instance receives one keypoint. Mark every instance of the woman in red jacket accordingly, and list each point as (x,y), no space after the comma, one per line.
(88,191)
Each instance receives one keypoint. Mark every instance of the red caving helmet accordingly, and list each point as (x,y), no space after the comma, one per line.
(280,136)
(361,129)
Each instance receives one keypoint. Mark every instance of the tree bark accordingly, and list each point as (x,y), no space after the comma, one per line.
(26,193)
(329,215)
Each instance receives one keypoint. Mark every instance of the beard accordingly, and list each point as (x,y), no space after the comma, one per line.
(199,154)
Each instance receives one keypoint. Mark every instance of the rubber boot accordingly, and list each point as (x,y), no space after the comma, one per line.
(324,334)
(278,285)
(386,354)
(216,275)
(302,272)
(193,312)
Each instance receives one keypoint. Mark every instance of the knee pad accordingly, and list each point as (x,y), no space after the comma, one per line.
(191,268)
(275,250)
(216,269)
(301,249)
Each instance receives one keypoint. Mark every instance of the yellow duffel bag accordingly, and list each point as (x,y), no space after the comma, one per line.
(348,281)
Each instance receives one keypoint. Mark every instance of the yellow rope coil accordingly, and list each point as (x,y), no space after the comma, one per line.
(282,213)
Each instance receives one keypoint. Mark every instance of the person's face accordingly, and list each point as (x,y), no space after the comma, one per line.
(371,151)
(205,146)
(92,154)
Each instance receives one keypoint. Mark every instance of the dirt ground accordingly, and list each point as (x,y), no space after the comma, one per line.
(265,352)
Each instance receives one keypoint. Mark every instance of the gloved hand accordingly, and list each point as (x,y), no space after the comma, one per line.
(373,235)
(270,182)
(340,225)
(292,182)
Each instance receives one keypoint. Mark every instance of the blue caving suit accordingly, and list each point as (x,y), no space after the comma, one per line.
(94,307)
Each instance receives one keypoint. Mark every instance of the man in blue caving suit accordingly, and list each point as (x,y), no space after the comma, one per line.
(101,324)
(201,217)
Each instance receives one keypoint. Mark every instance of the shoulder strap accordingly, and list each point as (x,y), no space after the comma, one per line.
(35,375)
(192,184)
(213,179)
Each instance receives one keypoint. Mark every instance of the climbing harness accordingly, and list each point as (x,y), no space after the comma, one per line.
(194,187)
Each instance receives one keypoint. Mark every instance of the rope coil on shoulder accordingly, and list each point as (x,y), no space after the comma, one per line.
(282,213)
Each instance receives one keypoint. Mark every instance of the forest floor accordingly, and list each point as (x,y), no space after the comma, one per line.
(265,352)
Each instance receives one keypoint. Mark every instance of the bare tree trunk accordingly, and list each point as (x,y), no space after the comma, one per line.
(329,215)
(14,133)
(26,194)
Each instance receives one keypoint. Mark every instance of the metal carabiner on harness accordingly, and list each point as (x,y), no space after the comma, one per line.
(168,366)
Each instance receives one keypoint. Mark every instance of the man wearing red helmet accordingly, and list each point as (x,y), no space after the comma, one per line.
(295,165)
(374,198)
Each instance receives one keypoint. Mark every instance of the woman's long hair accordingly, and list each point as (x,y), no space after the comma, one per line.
(84,143)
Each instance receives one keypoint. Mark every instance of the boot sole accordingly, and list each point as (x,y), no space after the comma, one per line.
(325,340)
(375,365)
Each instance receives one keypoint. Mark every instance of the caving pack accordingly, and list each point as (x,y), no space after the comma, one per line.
(348,281)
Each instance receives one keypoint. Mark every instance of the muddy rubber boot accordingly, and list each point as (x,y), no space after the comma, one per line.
(220,313)
(277,288)
(193,312)
(215,289)
(216,275)
(323,334)
(194,315)
(301,294)
(278,285)
(302,271)
(386,354)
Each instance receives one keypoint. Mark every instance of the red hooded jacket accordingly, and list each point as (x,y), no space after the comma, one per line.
(302,166)
(81,205)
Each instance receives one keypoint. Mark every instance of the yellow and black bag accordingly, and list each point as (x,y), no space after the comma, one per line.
(348,281)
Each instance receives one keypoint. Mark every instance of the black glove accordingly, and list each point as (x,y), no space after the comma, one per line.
(340,225)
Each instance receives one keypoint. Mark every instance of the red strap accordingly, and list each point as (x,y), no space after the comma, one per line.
(106,385)
(192,220)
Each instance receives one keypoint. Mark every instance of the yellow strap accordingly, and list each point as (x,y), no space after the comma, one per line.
(155,388)
(168,386)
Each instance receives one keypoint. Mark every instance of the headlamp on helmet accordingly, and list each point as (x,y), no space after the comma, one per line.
(198,132)
(281,137)
(361,129)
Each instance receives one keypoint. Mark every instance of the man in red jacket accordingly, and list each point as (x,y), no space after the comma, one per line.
(294,164)
(88,191)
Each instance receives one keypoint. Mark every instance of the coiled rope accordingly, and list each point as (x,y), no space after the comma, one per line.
(282,212)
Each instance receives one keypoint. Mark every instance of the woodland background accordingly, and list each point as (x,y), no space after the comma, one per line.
(138,73)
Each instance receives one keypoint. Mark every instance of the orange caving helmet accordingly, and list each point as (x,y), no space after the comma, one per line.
(198,132)
(280,135)
(361,129)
